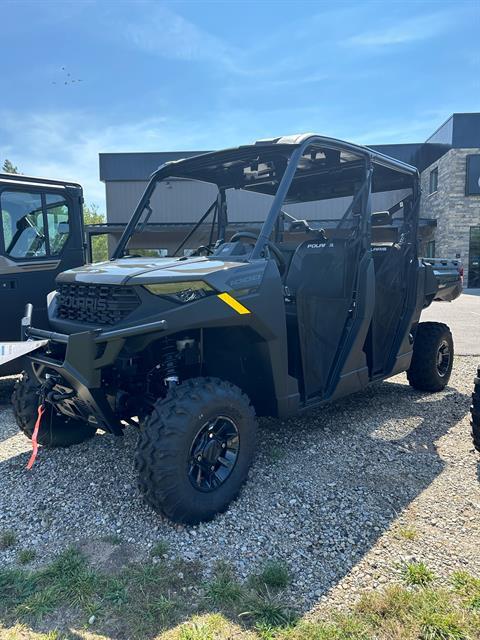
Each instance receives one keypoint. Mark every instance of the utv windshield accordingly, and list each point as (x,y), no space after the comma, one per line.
(199,197)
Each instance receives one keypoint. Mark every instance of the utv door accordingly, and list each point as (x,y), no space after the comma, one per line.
(394,252)
(41,234)
(328,279)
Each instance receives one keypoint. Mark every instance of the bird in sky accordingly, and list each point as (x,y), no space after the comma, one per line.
(67,78)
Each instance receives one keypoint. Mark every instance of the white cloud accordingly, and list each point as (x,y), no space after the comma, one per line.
(166,33)
(67,144)
(162,32)
(410,30)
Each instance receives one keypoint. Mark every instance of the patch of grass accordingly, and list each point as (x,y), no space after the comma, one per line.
(468,588)
(418,574)
(25,556)
(22,632)
(7,539)
(31,595)
(150,597)
(443,626)
(392,603)
(159,549)
(408,533)
(74,580)
(196,631)
(343,627)
(170,601)
(267,611)
(274,575)
(15,587)
(224,589)
(423,614)
(206,627)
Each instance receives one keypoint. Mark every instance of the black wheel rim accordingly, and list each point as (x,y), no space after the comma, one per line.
(213,454)
(443,358)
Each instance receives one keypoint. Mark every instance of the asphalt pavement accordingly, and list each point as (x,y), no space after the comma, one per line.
(463,317)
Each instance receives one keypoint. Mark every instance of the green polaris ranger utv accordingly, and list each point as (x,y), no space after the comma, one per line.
(297,314)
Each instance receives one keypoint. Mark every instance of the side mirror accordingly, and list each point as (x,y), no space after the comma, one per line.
(381,218)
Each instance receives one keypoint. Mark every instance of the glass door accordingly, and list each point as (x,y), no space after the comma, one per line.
(474,258)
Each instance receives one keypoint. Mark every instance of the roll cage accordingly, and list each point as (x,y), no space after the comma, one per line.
(282,168)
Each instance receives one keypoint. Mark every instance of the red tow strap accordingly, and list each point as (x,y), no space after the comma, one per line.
(41,409)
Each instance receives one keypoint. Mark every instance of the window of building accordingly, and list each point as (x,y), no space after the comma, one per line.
(34,225)
(472,180)
(433,180)
(474,258)
(430,249)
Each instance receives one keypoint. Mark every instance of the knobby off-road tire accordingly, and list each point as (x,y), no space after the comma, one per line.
(55,430)
(475,411)
(432,359)
(199,411)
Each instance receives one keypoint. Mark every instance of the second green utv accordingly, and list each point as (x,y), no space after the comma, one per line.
(268,320)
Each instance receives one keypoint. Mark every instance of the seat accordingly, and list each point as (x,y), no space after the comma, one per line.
(323,264)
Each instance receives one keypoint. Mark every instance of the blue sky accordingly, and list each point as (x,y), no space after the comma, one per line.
(155,76)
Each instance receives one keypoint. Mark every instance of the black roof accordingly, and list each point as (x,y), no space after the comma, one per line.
(19,177)
(327,168)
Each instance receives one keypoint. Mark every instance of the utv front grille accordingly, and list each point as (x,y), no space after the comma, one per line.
(96,304)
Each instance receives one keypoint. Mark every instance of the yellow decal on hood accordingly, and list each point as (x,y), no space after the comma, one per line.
(239,308)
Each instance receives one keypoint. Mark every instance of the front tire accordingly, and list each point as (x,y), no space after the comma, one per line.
(55,430)
(432,358)
(195,450)
(475,411)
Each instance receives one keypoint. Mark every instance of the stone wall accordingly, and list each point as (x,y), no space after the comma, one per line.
(454,212)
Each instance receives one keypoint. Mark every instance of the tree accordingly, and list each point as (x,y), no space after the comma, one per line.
(9,167)
(99,243)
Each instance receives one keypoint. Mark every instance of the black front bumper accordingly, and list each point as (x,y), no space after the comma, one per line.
(76,362)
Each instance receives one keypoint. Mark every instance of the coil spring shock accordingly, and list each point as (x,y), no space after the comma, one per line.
(169,355)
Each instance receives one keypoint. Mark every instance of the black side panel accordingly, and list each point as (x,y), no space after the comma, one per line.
(321,278)
(351,370)
(390,291)
(321,323)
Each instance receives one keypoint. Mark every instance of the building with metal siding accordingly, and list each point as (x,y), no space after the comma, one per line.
(451,207)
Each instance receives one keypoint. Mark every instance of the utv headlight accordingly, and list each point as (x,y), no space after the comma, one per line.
(182,291)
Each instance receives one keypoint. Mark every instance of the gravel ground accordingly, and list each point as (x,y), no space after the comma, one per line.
(332,493)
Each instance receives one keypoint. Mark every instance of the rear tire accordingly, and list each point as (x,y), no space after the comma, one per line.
(432,359)
(206,420)
(475,411)
(55,430)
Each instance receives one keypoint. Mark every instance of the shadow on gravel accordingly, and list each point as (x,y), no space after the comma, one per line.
(329,484)
(6,389)
(8,428)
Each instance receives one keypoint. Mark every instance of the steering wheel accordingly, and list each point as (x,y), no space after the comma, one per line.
(282,265)
(203,248)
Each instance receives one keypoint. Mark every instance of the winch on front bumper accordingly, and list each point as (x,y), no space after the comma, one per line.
(75,362)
